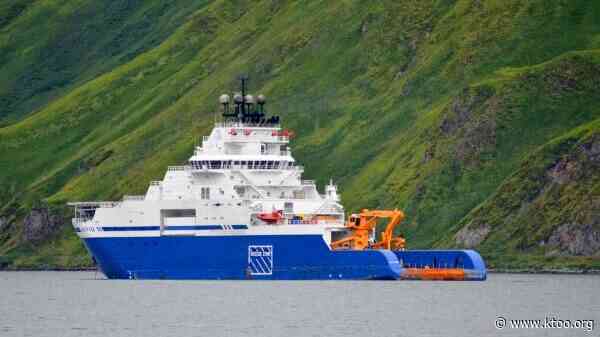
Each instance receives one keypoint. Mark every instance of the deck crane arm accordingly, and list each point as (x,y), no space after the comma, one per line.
(388,241)
(362,224)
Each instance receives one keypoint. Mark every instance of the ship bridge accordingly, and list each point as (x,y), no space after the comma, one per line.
(247,157)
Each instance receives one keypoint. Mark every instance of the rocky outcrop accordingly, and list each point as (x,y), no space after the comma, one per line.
(39,224)
(580,237)
(476,139)
(575,239)
(471,237)
(584,162)
(460,111)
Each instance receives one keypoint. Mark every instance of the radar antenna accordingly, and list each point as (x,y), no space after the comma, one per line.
(248,109)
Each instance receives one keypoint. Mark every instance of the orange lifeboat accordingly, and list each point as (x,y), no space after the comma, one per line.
(270,218)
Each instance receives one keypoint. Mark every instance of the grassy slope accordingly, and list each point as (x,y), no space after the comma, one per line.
(556,184)
(50,47)
(376,93)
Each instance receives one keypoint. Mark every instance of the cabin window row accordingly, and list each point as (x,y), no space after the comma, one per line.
(228,164)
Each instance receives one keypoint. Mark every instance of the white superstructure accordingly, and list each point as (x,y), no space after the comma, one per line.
(241,180)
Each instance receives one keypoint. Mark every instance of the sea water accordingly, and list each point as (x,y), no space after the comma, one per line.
(58,304)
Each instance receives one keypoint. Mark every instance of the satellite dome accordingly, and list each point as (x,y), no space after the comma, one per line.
(238,98)
(261,99)
(249,99)
(224,99)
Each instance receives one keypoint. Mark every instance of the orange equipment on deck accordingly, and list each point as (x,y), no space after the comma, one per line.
(361,226)
(272,217)
(434,274)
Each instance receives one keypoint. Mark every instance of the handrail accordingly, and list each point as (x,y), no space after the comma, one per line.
(245,125)
(133,197)
(95,204)
(254,187)
(243,167)
(179,168)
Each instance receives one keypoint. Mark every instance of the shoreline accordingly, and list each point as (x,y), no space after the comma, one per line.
(50,269)
(490,271)
(546,271)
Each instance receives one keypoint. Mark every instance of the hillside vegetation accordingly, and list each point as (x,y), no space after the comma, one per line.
(479,118)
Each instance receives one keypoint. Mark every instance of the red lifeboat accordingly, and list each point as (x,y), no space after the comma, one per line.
(287,133)
(270,218)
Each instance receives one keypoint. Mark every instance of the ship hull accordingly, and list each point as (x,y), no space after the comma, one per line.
(237,257)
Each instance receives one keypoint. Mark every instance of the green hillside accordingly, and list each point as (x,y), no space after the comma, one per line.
(459,112)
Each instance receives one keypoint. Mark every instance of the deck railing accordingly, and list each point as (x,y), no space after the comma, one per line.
(228,166)
(245,125)
(134,197)
(179,168)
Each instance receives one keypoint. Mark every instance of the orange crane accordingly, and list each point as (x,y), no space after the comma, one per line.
(362,224)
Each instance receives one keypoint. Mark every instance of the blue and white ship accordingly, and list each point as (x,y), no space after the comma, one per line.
(240,209)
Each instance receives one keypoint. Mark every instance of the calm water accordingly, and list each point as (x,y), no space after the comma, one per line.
(75,304)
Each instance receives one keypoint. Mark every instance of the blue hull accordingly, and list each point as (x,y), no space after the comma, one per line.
(468,260)
(271,257)
(292,257)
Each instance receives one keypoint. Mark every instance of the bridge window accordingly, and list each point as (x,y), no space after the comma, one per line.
(205,193)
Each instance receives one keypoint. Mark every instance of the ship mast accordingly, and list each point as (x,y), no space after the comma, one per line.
(247,109)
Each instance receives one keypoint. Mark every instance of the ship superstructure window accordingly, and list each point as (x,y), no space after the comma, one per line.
(251,165)
(205,193)
(263,148)
(288,207)
(178,213)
